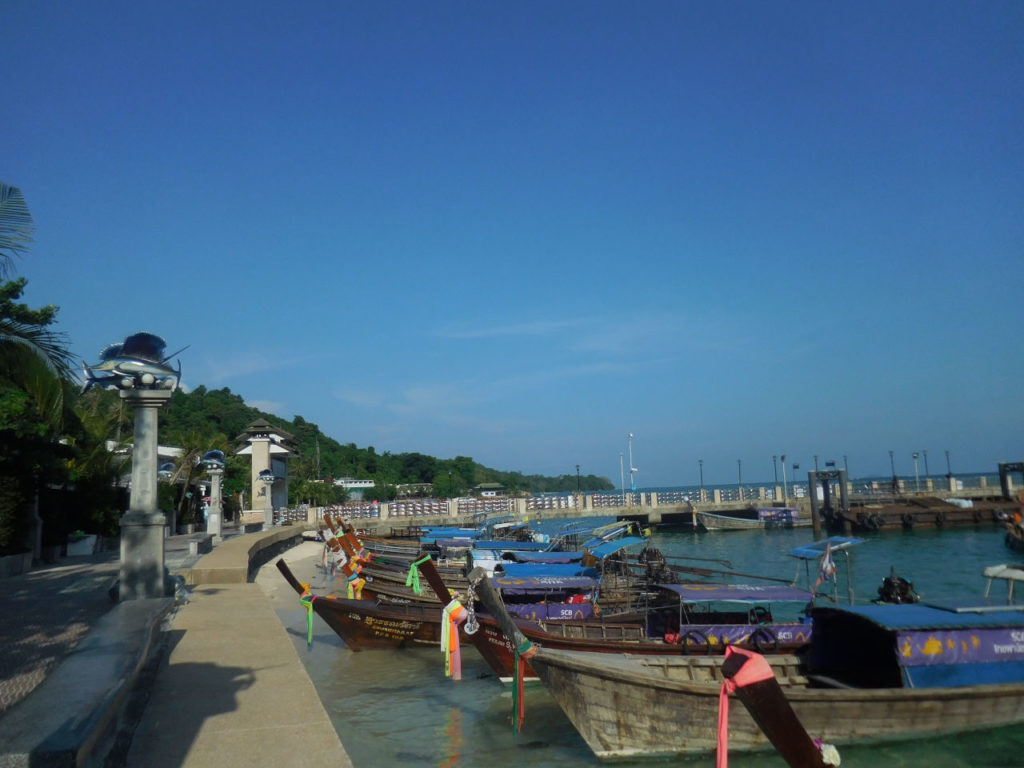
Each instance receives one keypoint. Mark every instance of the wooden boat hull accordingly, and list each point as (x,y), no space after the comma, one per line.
(712,522)
(368,625)
(668,705)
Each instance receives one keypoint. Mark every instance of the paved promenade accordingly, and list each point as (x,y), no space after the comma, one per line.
(224,686)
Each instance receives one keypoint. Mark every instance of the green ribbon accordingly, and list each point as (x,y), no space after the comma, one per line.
(413,579)
(309,617)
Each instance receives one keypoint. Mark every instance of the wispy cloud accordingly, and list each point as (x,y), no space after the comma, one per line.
(220,369)
(361,399)
(535,328)
(270,406)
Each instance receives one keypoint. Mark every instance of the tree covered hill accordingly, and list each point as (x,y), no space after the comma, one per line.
(216,417)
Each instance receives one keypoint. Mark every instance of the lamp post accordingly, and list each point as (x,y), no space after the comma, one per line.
(815,462)
(213,462)
(775,466)
(622,479)
(632,469)
(917,481)
(451,490)
(949,470)
(578,495)
(739,483)
(846,466)
(795,468)
(895,480)
(138,368)
(700,468)
(785,489)
(926,473)
(267,478)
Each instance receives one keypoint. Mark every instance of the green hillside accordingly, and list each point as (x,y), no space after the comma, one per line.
(204,419)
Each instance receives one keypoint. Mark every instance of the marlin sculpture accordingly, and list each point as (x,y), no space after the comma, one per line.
(138,361)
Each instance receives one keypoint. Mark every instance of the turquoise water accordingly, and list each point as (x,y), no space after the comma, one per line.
(396,707)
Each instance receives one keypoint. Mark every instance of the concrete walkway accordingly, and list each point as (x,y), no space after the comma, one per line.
(225,688)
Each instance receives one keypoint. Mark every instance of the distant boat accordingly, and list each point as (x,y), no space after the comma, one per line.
(754,518)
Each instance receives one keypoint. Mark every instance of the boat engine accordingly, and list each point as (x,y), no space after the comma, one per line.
(896,589)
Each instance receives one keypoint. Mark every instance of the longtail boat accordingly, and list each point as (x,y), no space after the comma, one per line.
(643,632)
(873,673)
(368,625)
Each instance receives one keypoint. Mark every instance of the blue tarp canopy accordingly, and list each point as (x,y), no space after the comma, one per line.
(816,549)
(917,645)
(508,544)
(924,616)
(601,550)
(544,569)
(543,557)
(532,584)
(738,593)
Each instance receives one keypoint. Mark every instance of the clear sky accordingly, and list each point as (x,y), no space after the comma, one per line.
(520,231)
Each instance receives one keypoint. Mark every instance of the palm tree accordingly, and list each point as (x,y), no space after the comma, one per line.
(34,357)
(15,227)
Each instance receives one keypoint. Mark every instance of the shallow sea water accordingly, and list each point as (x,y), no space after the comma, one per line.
(396,707)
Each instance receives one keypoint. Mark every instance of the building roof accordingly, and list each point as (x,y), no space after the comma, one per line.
(263,428)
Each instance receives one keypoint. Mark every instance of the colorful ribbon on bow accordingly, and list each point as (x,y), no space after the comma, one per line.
(754,671)
(451,617)
(523,652)
(355,587)
(413,579)
(307,598)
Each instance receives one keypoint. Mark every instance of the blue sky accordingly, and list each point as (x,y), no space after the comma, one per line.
(520,231)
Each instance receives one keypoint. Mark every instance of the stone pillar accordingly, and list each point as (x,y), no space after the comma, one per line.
(717,495)
(143,572)
(216,516)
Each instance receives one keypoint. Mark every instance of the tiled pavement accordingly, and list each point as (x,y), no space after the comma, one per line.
(46,612)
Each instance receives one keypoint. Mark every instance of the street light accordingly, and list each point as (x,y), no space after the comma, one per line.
(815,462)
(213,463)
(622,479)
(949,470)
(577,479)
(267,478)
(775,466)
(632,470)
(739,484)
(139,368)
(785,488)
(895,480)
(917,481)
(451,490)
(926,473)
(700,467)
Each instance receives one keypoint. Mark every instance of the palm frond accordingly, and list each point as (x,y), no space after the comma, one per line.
(16,227)
(50,346)
(34,374)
